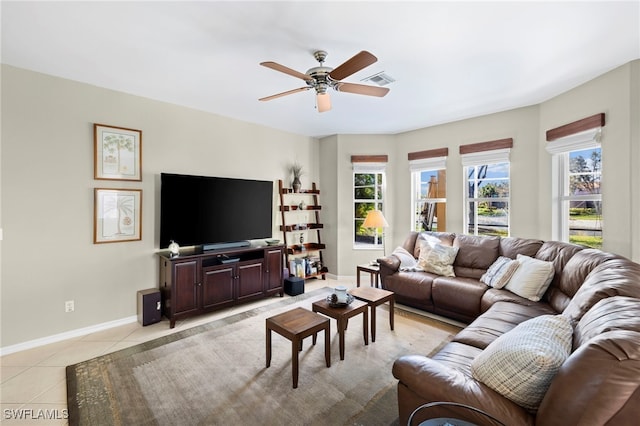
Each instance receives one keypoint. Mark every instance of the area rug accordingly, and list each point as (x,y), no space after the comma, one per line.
(215,374)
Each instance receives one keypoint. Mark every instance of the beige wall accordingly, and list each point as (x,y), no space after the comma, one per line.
(47,185)
(520,124)
(613,93)
(48,253)
(616,93)
(339,150)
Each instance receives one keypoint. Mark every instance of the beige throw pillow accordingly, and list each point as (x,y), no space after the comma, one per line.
(532,278)
(500,272)
(436,258)
(521,363)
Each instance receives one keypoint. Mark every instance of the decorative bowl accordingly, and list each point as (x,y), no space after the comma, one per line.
(350,299)
(272,242)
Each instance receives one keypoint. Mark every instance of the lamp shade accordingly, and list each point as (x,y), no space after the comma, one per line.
(324,102)
(375,219)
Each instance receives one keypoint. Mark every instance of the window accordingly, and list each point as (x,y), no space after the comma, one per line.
(577,196)
(428,194)
(368,194)
(487,187)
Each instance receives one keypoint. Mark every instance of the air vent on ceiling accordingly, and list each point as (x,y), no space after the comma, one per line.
(381,79)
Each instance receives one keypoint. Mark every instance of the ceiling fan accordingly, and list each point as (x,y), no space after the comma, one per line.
(322,78)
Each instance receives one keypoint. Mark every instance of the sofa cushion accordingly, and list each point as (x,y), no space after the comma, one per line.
(513,246)
(476,254)
(411,288)
(457,356)
(611,313)
(407,261)
(579,266)
(437,258)
(531,279)
(521,363)
(457,297)
(597,384)
(559,253)
(493,296)
(616,277)
(498,320)
(500,272)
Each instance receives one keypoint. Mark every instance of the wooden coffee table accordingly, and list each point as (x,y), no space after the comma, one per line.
(342,315)
(374,297)
(295,325)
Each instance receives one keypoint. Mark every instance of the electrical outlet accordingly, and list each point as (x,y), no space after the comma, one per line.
(69,306)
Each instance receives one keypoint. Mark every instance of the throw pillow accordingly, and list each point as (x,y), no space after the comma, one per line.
(436,258)
(532,278)
(407,261)
(500,272)
(521,363)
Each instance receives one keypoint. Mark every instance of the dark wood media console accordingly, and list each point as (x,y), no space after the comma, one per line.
(197,282)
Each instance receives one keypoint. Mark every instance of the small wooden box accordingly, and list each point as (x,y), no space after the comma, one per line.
(149,305)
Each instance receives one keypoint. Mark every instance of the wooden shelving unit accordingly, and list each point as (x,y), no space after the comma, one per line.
(305,202)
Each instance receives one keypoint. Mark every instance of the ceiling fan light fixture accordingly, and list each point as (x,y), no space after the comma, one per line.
(322,78)
(323,101)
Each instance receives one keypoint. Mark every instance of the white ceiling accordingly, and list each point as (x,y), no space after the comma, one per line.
(450,60)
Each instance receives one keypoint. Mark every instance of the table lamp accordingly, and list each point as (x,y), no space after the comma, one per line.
(375,219)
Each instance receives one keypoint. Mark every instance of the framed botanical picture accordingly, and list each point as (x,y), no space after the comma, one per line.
(117,215)
(117,153)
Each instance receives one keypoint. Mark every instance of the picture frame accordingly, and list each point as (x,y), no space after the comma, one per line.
(117,215)
(117,153)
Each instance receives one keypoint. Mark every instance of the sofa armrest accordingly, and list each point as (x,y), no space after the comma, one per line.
(434,381)
(388,265)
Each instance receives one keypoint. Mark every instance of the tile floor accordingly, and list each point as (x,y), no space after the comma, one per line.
(33,382)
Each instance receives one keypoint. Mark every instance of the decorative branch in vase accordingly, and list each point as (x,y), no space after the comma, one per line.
(296,171)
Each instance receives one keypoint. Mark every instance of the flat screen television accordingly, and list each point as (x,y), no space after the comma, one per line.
(207,210)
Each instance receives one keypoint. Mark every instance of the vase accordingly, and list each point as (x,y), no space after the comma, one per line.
(296,184)
(174,249)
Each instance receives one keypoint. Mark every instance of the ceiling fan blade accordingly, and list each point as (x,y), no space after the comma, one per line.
(353,65)
(286,70)
(288,92)
(323,101)
(362,89)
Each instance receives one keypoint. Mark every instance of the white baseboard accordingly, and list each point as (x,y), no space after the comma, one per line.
(66,335)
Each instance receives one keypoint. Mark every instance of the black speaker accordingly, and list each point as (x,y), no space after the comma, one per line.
(149,305)
(294,286)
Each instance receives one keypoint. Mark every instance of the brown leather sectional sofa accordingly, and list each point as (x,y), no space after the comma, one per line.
(599,382)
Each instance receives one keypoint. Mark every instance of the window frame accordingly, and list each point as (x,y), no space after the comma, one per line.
(560,150)
(417,167)
(378,201)
(479,159)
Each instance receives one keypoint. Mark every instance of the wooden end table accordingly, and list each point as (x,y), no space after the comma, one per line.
(374,297)
(373,270)
(342,315)
(295,325)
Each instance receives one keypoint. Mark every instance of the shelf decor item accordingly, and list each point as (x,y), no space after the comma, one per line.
(117,215)
(296,171)
(117,153)
(174,249)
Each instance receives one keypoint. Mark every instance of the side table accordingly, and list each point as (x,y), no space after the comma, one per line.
(342,315)
(374,273)
(295,325)
(374,297)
